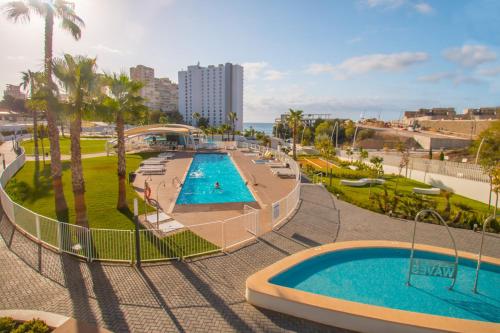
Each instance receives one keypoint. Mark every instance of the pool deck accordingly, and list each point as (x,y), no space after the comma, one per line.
(268,189)
(207,294)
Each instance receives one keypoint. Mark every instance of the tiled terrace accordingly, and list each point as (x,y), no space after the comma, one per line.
(202,295)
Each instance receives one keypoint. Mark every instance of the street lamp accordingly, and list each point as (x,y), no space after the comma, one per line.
(158,204)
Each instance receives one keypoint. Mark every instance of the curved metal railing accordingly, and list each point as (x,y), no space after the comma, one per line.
(478,267)
(441,220)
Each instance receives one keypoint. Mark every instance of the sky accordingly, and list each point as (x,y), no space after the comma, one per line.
(371,58)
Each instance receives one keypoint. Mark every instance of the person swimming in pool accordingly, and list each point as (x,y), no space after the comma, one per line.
(217,185)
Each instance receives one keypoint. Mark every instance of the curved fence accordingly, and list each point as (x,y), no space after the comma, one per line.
(120,245)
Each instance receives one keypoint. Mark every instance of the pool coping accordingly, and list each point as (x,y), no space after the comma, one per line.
(349,314)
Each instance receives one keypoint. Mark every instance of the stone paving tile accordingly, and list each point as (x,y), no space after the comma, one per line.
(201,295)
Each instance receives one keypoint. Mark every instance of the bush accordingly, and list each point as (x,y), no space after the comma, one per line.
(7,324)
(32,326)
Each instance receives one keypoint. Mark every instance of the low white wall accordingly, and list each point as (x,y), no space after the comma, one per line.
(468,188)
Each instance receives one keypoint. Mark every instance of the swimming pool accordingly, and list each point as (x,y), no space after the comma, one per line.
(204,172)
(362,286)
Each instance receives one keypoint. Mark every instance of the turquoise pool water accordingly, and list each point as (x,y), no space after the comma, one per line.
(378,277)
(204,172)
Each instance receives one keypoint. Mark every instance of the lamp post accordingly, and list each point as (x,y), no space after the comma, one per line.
(158,204)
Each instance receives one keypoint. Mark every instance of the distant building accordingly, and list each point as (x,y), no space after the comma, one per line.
(481,113)
(428,114)
(213,92)
(159,93)
(14,91)
(307,118)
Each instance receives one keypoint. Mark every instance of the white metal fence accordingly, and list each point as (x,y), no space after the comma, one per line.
(447,168)
(119,245)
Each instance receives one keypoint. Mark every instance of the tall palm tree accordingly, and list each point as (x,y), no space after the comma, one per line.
(122,101)
(50,10)
(197,117)
(225,128)
(31,81)
(294,120)
(78,77)
(232,118)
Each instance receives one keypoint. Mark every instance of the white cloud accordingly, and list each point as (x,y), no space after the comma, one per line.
(274,75)
(384,3)
(423,8)
(374,62)
(456,78)
(489,71)
(436,77)
(262,70)
(104,48)
(354,40)
(254,69)
(470,55)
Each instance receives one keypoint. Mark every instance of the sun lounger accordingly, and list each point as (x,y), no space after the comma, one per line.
(283,172)
(152,170)
(277,164)
(428,191)
(362,182)
(166,155)
(153,162)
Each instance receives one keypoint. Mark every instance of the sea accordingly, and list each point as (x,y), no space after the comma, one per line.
(261,127)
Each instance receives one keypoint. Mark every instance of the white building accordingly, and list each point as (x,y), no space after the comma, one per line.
(213,92)
(160,93)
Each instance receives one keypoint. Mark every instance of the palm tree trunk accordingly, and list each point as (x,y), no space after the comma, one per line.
(293,144)
(55,153)
(42,136)
(77,172)
(35,135)
(122,167)
(233,130)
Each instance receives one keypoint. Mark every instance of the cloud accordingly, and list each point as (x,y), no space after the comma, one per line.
(262,70)
(374,62)
(423,8)
(354,40)
(420,7)
(470,55)
(436,77)
(253,69)
(489,71)
(456,78)
(274,75)
(107,49)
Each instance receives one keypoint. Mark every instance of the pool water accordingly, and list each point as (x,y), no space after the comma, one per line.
(377,276)
(204,172)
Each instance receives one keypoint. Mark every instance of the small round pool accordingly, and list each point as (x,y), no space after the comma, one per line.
(361,285)
(378,276)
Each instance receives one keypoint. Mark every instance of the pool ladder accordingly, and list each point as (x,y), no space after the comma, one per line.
(442,221)
(478,267)
(176,180)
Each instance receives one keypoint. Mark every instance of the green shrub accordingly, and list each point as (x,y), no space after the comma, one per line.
(7,324)
(32,326)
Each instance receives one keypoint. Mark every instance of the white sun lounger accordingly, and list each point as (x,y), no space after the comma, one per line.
(428,191)
(276,164)
(152,170)
(152,162)
(283,172)
(166,155)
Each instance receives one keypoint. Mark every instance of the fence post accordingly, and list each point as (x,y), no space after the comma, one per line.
(137,237)
(37,225)
(89,244)
(59,236)
(131,243)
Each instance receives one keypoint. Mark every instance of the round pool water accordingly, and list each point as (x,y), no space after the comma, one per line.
(378,276)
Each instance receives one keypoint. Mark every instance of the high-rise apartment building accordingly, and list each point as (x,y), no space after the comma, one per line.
(160,93)
(213,92)
(14,91)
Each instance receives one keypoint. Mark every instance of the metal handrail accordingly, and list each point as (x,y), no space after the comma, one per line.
(478,267)
(440,219)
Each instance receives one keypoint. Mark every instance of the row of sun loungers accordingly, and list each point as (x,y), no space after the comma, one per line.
(155,165)
(283,172)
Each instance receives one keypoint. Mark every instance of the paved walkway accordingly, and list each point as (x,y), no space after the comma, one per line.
(198,296)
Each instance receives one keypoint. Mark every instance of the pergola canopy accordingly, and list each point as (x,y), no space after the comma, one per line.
(163,129)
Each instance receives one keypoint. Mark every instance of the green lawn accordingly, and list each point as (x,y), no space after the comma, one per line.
(464,212)
(89,146)
(101,195)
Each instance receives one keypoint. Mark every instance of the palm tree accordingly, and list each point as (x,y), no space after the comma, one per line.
(79,79)
(232,116)
(123,100)
(294,120)
(31,81)
(225,128)
(50,10)
(197,117)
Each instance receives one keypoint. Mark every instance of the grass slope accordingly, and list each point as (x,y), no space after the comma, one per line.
(89,146)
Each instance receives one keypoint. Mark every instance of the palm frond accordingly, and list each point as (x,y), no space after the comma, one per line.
(17,11)
(72,27)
